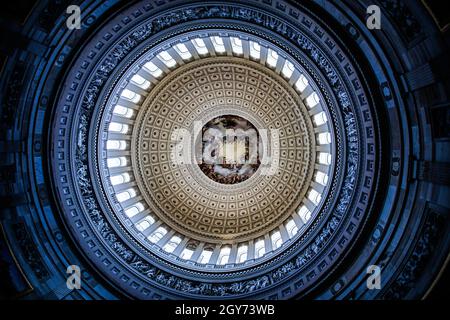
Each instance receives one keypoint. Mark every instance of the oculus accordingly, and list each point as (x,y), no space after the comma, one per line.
(230,149)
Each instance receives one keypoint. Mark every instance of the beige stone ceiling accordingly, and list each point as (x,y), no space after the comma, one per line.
(182,196)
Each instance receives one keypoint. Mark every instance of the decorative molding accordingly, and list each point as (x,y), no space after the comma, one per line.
(298,261)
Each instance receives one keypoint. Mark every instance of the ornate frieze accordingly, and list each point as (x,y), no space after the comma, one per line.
(351,134)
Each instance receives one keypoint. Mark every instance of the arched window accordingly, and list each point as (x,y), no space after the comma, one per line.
(301,83)
(145,223)
(218,44)
(116,162)
(200,46)
(134,210)
(320,118)
(272,58)
(242,253)
(167,59)
(288,69)
(304,214)
(116,144)
(157,234)
(224,255)
(255,50)
(276,240)
(130,95)
(324,158)
(314,196)
(236,45)
(153,69)
(118,127)
(123,111)
(324,138)
(140,81)
(312,100)
(172,244)
(321,178)
(205,256)
(183,51)
(126,195)
(260,248)
(119,179)
(291,228)
(186,254)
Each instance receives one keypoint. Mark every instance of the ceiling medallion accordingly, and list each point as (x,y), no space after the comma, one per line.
(230,149)
(141,181)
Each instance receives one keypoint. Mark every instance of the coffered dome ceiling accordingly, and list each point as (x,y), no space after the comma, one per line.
(175,185)
(186,198)
(234,149)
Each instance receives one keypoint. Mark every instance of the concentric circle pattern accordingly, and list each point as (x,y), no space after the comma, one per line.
(149,200)
(184,197)
(143,179)
(225,149)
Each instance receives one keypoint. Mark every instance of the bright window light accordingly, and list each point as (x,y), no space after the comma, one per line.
(304,214)
(123,111)
(272,58)
(242,253)
(236,45)
(200,46)
(118,127)
(320,118)
(324,158)
(186,254)
(119,179)
(205,256)
(183,51)
(260,249)
(321,178)
(116,145)
(301,83)
(291,228)
(167,59)
(140,81)
(145,223)
(276,240)
(218,44)
(224,255)
(324,138)
(157,234)
(142,225)
(116,162)
(172,244)
(314,196)
(153,69)
(255,50)
(134,210)
(130,95)
(312,100)
(126,195)
(288,69)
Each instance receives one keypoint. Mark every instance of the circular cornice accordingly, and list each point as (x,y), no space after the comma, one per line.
(68,213)
(336,221)
(225,212)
